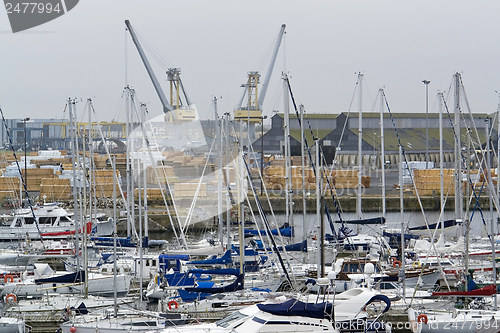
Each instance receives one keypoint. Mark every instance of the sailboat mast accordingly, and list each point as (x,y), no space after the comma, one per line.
(239,180)
(490,196)
(441,162)
(128,171)
(139,200)
(382,150)
(360,147)
(286,117)
(228,182)
(302,156)
(458,160)
(318,201)
(114,238)
(402,268)
(71,105)
(219,170)
(84,215)
(144,181)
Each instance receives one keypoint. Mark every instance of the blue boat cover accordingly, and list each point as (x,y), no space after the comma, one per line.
(302,246)
(222,271)
(380,298)
(66,278)
(165,257)
(295,307)
(236,285)
(225,259)
(373,220)
(285,232)
(447,224)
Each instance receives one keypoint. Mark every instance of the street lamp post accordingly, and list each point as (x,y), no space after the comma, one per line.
(426,82)
(262,154)
(25,161)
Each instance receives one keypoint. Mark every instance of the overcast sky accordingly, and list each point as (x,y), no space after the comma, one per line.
(396,44)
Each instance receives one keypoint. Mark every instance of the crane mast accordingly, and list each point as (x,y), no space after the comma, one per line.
(252,112)
(167,108)
(265,84)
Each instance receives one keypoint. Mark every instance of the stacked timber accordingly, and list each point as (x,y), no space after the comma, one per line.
(274,178)
(100,161)
(182,190)
(159,175)
(349,179)
(55,189)
(35,177)
(428,181)
(7,158)
(232,175)
(10,187)
(104,183)
(153,194)
(483,178)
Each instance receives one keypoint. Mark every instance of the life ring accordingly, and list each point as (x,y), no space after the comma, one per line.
(422,318)
(8,277)
(10,297)
(173,304)
(417,264)
(397,263)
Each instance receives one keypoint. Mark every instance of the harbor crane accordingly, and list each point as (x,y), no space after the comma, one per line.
(174,111)
(252,111)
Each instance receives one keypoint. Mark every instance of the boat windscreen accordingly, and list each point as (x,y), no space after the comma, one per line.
(228,320)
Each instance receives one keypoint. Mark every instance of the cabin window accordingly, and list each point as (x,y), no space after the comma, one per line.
(353,268)
(154,262)
(65,219)
(7,221)
(147,263)
(47,220)
(29,220)
(18,223)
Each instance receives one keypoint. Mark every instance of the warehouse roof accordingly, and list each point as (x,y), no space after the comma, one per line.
(414,138)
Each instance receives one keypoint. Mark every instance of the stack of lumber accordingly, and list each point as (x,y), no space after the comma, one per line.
(54,189)
(10,187)
(35,176)
(428,181)
(189,190)
(104,183)
(154,194)
(160,174)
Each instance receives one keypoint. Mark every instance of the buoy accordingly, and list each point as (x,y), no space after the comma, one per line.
(397,263)
(422,318)
(417,264)
(10,297)
(173,304)
(9,278)
(72,329)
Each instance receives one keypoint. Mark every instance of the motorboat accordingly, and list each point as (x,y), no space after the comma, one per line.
(458,320)
(126,319)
